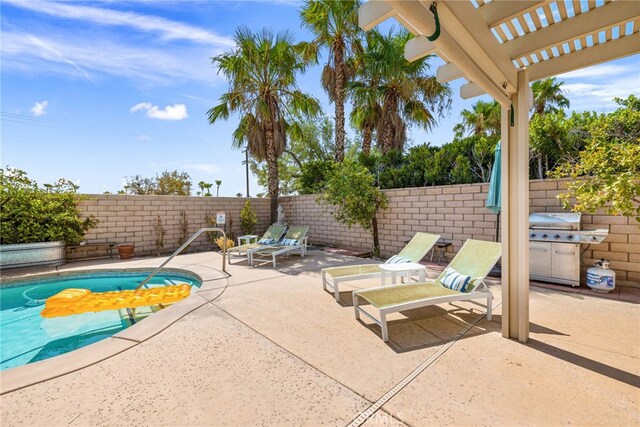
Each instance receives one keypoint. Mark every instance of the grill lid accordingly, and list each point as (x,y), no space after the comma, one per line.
(555,220)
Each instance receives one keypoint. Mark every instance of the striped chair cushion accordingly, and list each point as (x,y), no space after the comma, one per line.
(397,259)
(454,280)
(266,241)
(290,242)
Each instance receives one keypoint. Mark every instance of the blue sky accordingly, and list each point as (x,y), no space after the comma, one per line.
(101,90)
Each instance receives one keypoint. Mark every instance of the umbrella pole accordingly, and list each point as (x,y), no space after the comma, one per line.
(497,226)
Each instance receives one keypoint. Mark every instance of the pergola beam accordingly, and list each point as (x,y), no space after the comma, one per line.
(611,14)
(423,21)
(373,13)
(471,90)
(462,21)
(613,49)
(448,72)
(500,11)
(418,47)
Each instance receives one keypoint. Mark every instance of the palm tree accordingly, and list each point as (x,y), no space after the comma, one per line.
(262,71)
(207,186)
(335,26)
(484,118)
(406,94)
(548,96)
(218,184)
(366,112)
(201,184)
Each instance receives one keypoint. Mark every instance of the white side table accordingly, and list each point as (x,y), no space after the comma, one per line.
(404,268)
(249,238)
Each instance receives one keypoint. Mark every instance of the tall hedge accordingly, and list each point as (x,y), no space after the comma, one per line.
(32,214)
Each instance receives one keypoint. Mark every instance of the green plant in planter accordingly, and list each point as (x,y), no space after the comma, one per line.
(33,214)
(248,219)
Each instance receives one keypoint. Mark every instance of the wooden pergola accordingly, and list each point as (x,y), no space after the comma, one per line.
(499,47)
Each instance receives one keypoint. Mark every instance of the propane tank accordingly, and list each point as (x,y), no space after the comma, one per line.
(600,277)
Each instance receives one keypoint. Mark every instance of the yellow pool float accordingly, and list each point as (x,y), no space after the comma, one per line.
(78,301)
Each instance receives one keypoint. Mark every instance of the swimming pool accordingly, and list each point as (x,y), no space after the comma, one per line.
(27,337)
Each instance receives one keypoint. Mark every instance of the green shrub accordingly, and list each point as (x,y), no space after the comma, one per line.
(32,214)
(352,198)
(248,219)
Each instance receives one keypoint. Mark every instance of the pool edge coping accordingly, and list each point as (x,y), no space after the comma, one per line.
(20,377)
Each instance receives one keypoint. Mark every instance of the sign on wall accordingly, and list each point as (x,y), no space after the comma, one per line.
(220,217)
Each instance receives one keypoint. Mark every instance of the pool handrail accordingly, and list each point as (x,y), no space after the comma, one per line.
(181,248)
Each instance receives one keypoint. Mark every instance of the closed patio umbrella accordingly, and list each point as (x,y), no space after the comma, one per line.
(495,195)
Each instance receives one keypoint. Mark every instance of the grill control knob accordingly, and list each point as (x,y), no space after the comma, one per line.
(557,237)
(532,235)
(544,236)
(593,238)
(570,237)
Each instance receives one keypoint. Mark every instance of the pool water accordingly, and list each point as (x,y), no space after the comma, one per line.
(27,337)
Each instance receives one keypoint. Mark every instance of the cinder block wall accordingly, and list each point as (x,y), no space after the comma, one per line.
(131,219)
(621,247)
(457,212)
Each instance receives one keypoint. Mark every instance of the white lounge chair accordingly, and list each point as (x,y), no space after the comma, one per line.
(295,240)
(475,260)
(414,251)
(270,237)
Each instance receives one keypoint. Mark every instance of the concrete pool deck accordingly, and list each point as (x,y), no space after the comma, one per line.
(270,347)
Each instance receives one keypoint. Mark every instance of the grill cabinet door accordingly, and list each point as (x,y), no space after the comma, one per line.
(565,261)
(540,259)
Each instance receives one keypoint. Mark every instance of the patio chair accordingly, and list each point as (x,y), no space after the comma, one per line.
(463,279)
(270,237)
(294,241)
(414,251)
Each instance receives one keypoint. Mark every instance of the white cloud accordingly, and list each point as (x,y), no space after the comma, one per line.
(144,138)
(39,108)
(170,112)
(604,70)
(188,165)
(599,96)
(208,168)
(140,106)
(167,29)
(293,3)
(74,54)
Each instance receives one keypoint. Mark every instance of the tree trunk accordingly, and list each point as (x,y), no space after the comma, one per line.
(367,137)
(376,240)
(272,170)
(388,130)
(339,100)
(546,164)
(539,167)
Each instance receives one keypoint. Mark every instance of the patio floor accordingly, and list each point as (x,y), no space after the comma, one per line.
(270,347)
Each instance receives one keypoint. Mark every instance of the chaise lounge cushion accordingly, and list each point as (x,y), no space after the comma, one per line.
(397,259)
(400,294)
(454,280)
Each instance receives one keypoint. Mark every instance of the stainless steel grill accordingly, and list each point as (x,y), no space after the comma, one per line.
(554,246)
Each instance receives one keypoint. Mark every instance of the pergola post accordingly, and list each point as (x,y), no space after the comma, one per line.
(476,47)
(515,214)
